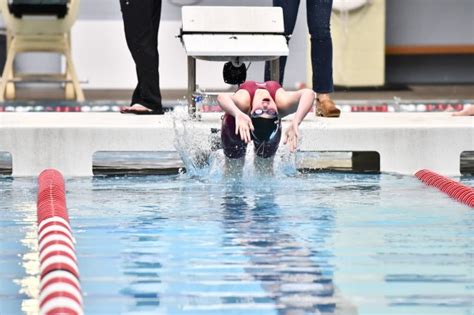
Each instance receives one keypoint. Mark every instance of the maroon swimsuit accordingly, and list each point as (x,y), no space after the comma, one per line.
(252,86)
(233,146)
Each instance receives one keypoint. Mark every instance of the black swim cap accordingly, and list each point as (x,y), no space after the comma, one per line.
(265,128)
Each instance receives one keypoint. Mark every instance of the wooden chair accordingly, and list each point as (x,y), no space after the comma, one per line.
(39,26)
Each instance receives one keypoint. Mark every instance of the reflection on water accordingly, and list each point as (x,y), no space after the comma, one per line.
(142,261)
(19,256)
(306,244)
(285,267)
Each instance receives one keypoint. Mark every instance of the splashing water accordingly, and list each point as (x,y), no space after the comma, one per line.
(201,158)
(193,149)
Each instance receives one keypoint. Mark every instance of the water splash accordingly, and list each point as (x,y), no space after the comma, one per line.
(203,158)
(193,149)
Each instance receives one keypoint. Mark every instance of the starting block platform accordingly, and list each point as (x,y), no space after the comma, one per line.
(406,142)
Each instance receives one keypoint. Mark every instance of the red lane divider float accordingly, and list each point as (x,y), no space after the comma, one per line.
(60,290)
(455,190)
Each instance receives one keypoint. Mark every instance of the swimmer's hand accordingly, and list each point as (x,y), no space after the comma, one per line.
(243,125)
(292,135)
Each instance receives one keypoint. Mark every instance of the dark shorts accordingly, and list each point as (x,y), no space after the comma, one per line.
(235,148)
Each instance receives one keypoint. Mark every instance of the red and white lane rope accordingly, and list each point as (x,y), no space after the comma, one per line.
(60,290)
(455,190)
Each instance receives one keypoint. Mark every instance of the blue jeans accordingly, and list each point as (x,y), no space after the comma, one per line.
(318,16)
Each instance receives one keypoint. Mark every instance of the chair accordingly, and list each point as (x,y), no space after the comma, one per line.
(39,26)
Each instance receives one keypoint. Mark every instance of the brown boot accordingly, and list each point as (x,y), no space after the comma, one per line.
(327,108)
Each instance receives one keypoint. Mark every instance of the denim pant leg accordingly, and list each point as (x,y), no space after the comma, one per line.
(141,21)
(319,19)
(290,12)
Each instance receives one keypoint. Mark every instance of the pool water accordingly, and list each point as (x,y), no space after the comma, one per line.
(324,243)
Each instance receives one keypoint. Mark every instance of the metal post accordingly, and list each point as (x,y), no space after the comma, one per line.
(275,69)
(191,86)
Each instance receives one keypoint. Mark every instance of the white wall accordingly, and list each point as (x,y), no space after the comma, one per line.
(408,22)
(103,60)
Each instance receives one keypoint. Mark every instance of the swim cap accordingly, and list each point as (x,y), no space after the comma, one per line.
(265,128)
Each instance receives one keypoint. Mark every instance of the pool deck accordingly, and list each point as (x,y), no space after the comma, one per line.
(406,142)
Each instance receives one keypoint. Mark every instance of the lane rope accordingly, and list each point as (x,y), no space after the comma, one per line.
(455,190)
(60,289)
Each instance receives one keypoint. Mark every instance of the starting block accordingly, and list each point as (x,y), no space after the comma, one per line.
(233,34)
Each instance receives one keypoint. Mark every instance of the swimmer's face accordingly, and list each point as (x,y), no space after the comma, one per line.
(265,107)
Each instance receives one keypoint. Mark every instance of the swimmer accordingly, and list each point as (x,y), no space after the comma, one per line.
(254,113)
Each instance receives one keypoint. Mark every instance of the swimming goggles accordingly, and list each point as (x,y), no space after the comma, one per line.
(270,112)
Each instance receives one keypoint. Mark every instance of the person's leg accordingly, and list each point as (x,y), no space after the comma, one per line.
(234,147)
(141,21)
(319,25)
(290,12)
(319,17)
(156,18)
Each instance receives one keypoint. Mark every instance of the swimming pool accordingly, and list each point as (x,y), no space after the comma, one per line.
(324,243)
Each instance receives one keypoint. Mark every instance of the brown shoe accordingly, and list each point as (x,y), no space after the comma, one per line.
(327,108)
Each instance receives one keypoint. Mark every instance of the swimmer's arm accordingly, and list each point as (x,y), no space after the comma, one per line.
(305,104)
(235,105)
(299,102)
(303,101)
